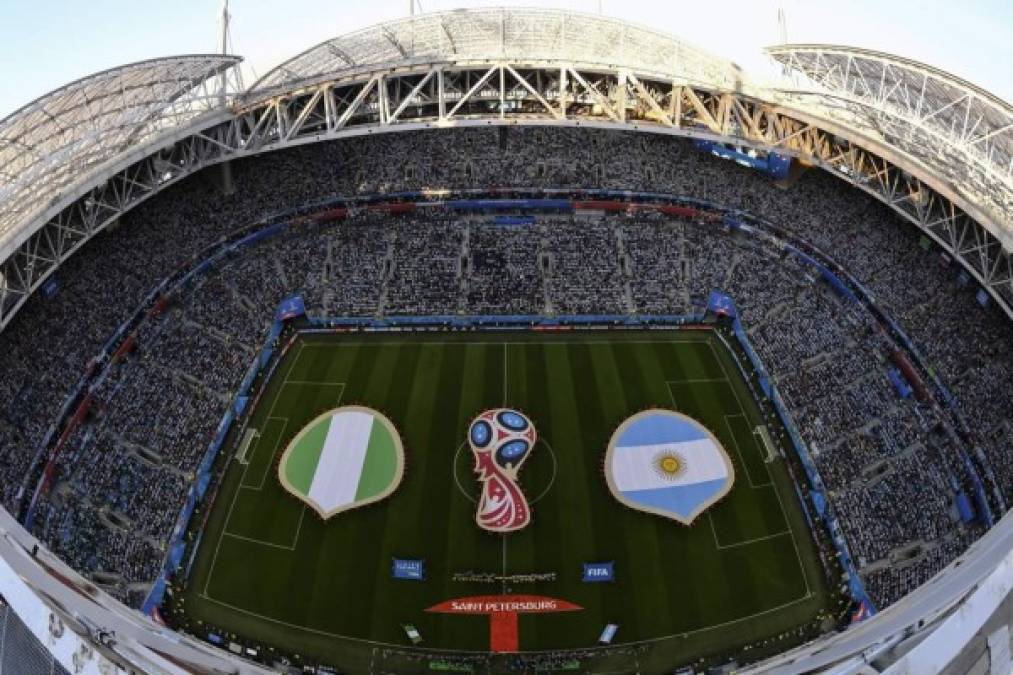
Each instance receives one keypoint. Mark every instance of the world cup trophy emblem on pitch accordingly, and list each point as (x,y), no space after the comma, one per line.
(501,441)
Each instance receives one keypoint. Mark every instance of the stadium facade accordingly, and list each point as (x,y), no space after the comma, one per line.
(933,148)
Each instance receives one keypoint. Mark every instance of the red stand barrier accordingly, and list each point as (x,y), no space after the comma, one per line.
(680,211)
(332,214)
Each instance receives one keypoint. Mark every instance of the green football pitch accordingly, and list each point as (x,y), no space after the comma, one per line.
(270,570)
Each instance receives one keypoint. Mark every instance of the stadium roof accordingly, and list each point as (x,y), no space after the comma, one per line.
(532,35)
(58,140)
(961,132)
(954,137)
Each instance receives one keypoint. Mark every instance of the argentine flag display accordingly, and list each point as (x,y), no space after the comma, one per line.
(344,458)
(666,463)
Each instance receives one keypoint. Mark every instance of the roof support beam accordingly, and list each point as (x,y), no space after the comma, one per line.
(405,101)
(937,118)
(604,104)
(417,98)
(531,90)
(471,92)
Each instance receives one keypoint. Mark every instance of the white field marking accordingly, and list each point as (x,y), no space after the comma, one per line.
(757,539)
(808,594)
(738,451)
(277,443)
(453,472)
(274,450)
(714,531)
(555,472)
(696,380)
(777,493)
(250,440)
(505,403)
(669,383)
(661,638)
(298,528)
(505,371)
(314,383)
(235,495)
(317,631)
(504,561)
(281,435)
(671,394)
(534,500)
(746,542)
(771,451)
(260,542)
(727,623)
(683,339)
(386,644)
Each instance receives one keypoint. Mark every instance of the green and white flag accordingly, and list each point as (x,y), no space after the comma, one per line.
(344,458)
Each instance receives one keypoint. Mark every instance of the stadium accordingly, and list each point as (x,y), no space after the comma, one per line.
(508,341)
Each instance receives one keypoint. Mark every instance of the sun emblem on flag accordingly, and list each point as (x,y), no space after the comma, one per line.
(669,464)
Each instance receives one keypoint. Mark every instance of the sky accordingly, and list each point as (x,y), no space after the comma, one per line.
(47,43)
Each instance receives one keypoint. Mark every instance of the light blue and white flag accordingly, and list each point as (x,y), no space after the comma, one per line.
(666,463)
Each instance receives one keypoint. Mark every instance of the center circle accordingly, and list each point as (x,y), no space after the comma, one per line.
(467,475)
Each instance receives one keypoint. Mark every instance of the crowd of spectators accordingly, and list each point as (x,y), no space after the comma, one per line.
(425,275)
(890,474)
(504,274)
(583,275)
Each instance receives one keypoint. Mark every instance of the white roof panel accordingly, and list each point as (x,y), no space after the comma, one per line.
(516,34)
(55,142)
(960,132)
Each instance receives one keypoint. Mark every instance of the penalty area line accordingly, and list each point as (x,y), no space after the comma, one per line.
(697,380)
(724,624)
(317,631)
(671,394)
(277,442)
(738,451)
(260,542)
(237,491)
(746,542)
(770,476)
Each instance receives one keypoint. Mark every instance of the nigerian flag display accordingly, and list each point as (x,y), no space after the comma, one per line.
(344,458)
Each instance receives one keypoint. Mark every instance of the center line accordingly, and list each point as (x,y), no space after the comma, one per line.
(504,562)
(505,404)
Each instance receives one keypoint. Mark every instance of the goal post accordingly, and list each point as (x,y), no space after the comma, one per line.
(768,443)
(249,436)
